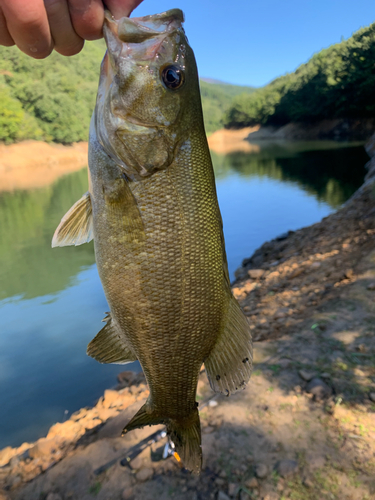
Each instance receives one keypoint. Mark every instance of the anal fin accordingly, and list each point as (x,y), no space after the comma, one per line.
(109,346)
(229,364)
(76,227)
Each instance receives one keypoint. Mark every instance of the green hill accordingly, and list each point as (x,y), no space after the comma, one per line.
(52,99)
(337,82)
(216,100)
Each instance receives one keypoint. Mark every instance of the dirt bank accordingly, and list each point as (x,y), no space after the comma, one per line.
(338,129)
(228,141)
(304,428)
(34,164)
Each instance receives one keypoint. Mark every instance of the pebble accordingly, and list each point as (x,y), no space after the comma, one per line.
(372,396)
(318,389)
(232,488)
(286,467)
(222,496)
(252,483)
(110,397)
(144,474)
(255,274)
(208,430)
(284,363)
(371,286)
(308,483)
(306,375)
(261,471)
(43,447)
(53,496)
(127,493)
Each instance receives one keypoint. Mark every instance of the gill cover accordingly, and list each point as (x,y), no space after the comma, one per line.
(143,86)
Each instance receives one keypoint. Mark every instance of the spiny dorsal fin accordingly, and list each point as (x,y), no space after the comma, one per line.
(109,346)
(76,227)
(229,364)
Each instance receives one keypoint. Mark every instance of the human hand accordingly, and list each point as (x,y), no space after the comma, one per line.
(39,26)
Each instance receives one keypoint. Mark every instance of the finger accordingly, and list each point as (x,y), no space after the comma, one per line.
(28,26)
(121,8)
(87,18)
(5,38)
(66,40)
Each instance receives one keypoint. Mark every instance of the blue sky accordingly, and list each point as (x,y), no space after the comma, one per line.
(253,42)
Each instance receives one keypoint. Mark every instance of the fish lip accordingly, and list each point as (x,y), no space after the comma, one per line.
(137,30)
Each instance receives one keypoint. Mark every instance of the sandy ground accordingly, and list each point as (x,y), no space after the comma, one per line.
(228,141)
(34,164)
(304,428)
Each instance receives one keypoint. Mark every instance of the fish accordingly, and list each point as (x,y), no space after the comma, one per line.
(153,213)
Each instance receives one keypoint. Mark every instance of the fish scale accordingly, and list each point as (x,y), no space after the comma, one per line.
(153,213)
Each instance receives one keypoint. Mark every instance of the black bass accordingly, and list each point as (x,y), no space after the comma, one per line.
(153,213)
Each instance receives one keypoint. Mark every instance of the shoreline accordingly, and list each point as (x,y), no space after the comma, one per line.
(307,415)
(36,164)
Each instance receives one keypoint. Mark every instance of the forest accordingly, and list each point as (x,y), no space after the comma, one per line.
(53,99)
(337,82)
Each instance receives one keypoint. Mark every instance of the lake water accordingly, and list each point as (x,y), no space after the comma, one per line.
(52,303)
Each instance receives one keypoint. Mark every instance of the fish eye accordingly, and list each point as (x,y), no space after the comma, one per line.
(173,77)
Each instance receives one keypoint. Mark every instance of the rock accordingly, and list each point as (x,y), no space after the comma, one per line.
(306,375)
(319,389)
(106,413)
(144,474)
(244,496)
(67,431)
(43,447)
(232,489)
(284,363)
(240,273)
(308,483)
(208,430)
(261,471)
(315,265)
(286,467)
(255,274)
(5,455)
(283,236)
(222,496)
(252,483)
(110,398)
(219,481)
(126,377)
(372,396)
(14,482)
(53,496)
(371,286)
(295,273)
(127,493)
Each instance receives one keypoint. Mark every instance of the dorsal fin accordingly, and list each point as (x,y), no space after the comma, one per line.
(109,346)
(76,227)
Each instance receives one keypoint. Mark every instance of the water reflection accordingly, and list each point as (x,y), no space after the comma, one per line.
(28,219)
(329,170)
(52,301)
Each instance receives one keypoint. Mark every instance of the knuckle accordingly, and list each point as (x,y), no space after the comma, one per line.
(70,50)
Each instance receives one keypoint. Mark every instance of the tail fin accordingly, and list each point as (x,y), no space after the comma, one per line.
(186,436)
(184,433)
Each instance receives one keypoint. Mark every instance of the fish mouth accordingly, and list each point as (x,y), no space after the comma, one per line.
(142,36)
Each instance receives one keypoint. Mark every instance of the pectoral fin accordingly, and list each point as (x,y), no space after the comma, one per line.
(229,364)
(109,346)
(76,227)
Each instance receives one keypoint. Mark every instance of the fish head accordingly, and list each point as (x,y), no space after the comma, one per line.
(148,81)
